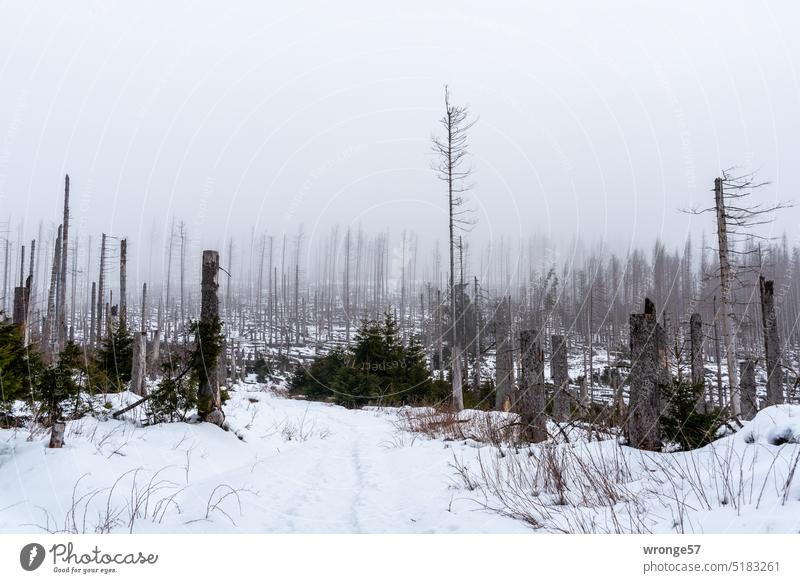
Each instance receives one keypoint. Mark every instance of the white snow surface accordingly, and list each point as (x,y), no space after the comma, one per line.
(294,466)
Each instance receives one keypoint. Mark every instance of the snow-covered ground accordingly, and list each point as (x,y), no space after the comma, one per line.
(294,466)
(285,466)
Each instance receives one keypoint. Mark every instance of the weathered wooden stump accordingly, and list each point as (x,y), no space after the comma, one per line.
(648,376)
(772,346)
(532,399)
(747,384)
(696,357)
(209,407)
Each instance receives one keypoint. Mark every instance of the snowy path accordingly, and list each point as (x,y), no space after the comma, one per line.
(298,467)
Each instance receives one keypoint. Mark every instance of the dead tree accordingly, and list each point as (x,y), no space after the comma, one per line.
(725,281)
(93,316)
(154,359)
(123,284)
(736,218)
(647,379)
(101,289)
(20,310)
(559,371)
(139,373)
(504,357)
(696,356)
(772,347)
(61,302)
(531,400)
(748,386)
(50,319)
(209,406)
(19,314)
(452,151)
(57,434)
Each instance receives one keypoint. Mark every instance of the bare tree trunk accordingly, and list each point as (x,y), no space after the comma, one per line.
(209,406)
(346,290)
(648,360)
(476,367)
(531,400)
(57,434)
(140,351)
(183,277)
(718,357)
(20,310)
(30,285)
(559,371)
(615,382)
(61,302)
(772,347)
(93,316)
(504,358)
(748,386)
(725,278)
(696,350)
(73,292)
(155,353)
(101,289)
(50,319)
(123,284)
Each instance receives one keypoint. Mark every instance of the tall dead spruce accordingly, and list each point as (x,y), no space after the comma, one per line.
(736,218)
(451,151)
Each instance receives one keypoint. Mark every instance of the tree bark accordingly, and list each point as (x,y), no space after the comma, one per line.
(123,283)
(504,358)
(61,302)
(696,355)
(559,371)
(532,400)
(57,434)
(647,379)
(725,279)
(748,386)
(208,398)
(772,347)
(101,289)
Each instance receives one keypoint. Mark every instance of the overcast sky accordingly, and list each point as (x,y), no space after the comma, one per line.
(602,120)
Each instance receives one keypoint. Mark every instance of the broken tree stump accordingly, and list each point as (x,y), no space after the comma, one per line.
(747,383)
(532,400)
(209,407)
(772,346)
(647,378)
(696,356)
